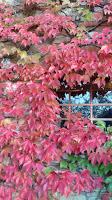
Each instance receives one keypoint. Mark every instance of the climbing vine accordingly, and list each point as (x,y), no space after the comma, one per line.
(41,51)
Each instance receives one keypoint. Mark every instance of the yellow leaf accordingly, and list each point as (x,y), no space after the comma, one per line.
(13,50)
(35,58)
(56,8)
(23,54)
(66,2)
(5,121)
(28,59)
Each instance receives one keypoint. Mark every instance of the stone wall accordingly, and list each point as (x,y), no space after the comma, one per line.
(12,2)
(96,195)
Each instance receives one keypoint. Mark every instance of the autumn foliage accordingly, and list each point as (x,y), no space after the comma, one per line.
(46,51)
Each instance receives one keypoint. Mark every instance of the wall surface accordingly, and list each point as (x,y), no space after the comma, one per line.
(96,195)
(11,2)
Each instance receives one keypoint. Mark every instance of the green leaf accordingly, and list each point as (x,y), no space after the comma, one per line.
(72,158)
(83,162)
(108,180)
(95,169)
(63,164)
(109,129)
(108,168)
(101,124)
(86,13)
(88,16)
(80,10)
(72,166)
(92,168)
(108,144)
(109,188)
(48,170)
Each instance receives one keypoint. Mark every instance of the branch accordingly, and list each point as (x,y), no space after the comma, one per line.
(99,24)
(94,45)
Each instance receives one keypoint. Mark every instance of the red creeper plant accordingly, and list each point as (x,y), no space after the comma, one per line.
(46,51)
